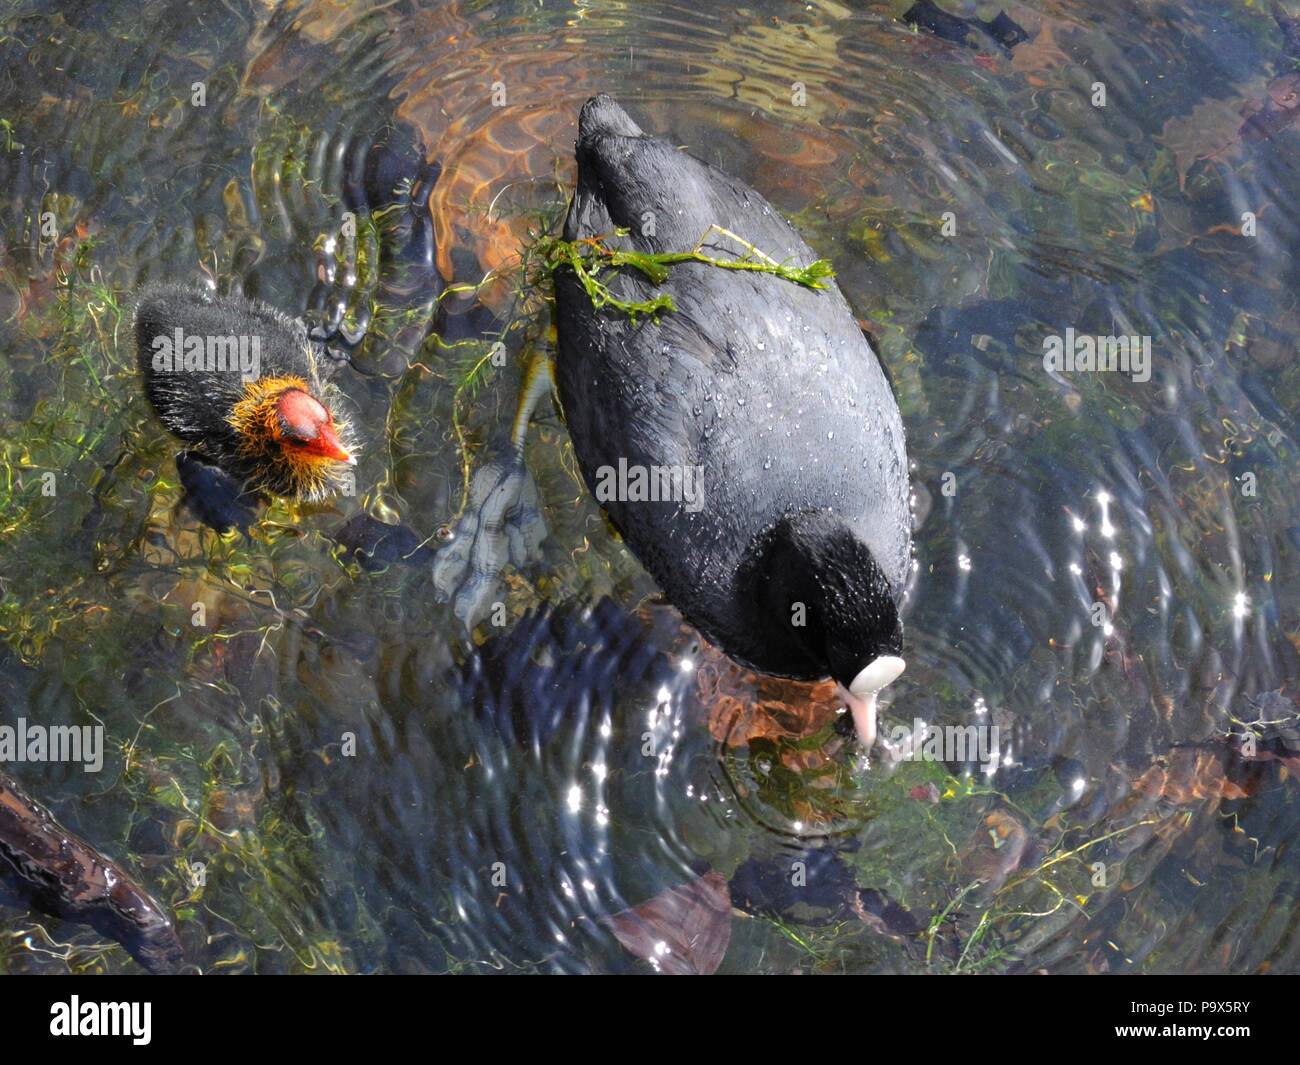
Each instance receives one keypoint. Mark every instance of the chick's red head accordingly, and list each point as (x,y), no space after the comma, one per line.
(306,427)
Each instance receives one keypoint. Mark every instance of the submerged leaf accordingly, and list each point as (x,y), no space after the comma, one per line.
(683,932)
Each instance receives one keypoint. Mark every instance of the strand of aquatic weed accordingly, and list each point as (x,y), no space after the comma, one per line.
(589,256)
(997,914)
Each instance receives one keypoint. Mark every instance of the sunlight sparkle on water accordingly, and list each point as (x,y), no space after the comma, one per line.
(1107,529)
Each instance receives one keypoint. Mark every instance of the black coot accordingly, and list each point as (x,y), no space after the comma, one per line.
(792,551)
(242,384)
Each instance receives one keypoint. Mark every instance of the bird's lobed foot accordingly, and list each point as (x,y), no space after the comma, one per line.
(213,496)
(502,526)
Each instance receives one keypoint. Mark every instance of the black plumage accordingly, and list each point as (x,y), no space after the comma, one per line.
(768,387)
(244,353)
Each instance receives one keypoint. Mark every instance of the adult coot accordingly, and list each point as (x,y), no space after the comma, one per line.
(746,444)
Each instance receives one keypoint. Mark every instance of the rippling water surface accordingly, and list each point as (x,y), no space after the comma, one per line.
(322,769)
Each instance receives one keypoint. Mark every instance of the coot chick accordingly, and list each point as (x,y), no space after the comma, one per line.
(793,554)
(241,383)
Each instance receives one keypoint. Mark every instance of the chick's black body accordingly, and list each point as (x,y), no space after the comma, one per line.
(196,403)
(768,387)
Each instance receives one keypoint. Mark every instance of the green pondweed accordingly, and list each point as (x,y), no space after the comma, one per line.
(590,257)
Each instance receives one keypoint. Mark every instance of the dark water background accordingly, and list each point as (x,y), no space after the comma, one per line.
(511,792)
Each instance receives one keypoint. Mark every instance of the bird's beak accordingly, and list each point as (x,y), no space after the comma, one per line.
(329,445)
(860,695)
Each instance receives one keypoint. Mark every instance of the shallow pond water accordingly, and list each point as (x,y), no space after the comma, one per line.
(313,765)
